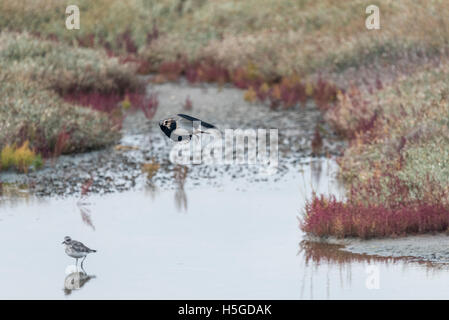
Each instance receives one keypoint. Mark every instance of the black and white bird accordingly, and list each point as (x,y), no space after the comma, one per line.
(76,249)
(181,127)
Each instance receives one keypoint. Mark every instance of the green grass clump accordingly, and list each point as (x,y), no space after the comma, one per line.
(21,158)
(7,157)
(30,112)
(34,74)
(64,68)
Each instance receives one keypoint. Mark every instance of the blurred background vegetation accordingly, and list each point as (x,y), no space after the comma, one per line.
(277,38)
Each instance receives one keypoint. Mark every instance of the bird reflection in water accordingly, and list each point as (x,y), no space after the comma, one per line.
(180,175)
(76,280)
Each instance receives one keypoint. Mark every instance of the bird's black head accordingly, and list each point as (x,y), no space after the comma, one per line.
(167,126)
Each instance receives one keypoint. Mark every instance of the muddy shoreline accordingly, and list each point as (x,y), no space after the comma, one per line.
(119,168)
(432,248)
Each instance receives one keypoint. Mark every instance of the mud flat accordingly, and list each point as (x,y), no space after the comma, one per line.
(432,248)
(119,168)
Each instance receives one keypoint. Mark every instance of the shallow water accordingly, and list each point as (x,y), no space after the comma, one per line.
(194,232)
(235,241)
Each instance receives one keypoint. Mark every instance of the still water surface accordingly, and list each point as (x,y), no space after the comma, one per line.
(235,241)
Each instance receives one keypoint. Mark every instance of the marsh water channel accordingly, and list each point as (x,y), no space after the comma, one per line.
(194,231)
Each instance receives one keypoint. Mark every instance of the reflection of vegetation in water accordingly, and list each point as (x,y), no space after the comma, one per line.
(151,189)
(82,203)
(13,194)
(317,252)
(86,215)
(319,175)
(150,168)
(319,255)
(316,168)
(180,175)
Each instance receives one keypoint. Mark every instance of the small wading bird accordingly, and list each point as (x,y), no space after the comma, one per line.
(76,249)
(180,128)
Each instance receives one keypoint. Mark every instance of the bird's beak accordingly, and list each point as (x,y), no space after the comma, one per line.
(62,242)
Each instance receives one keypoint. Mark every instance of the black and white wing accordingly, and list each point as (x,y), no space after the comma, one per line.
(187,126)
(182,127)
(191,119)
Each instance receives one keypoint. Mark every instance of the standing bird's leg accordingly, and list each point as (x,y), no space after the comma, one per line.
(82,263)
(76,264)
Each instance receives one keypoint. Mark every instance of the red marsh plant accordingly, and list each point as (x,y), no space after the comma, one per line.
(127,42)
(329,217)
(113,103)
(371,212)
(105,102)
(87,40)
(206,70)
(62,140)
(292,91)
(324,93)
(246,77)
(170,71)
(287,91)
(152,35)
(352,113)
(140,101)
(149,105)
(45,147)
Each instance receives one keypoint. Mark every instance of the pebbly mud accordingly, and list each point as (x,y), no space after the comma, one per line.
(141,158)
(431,248)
